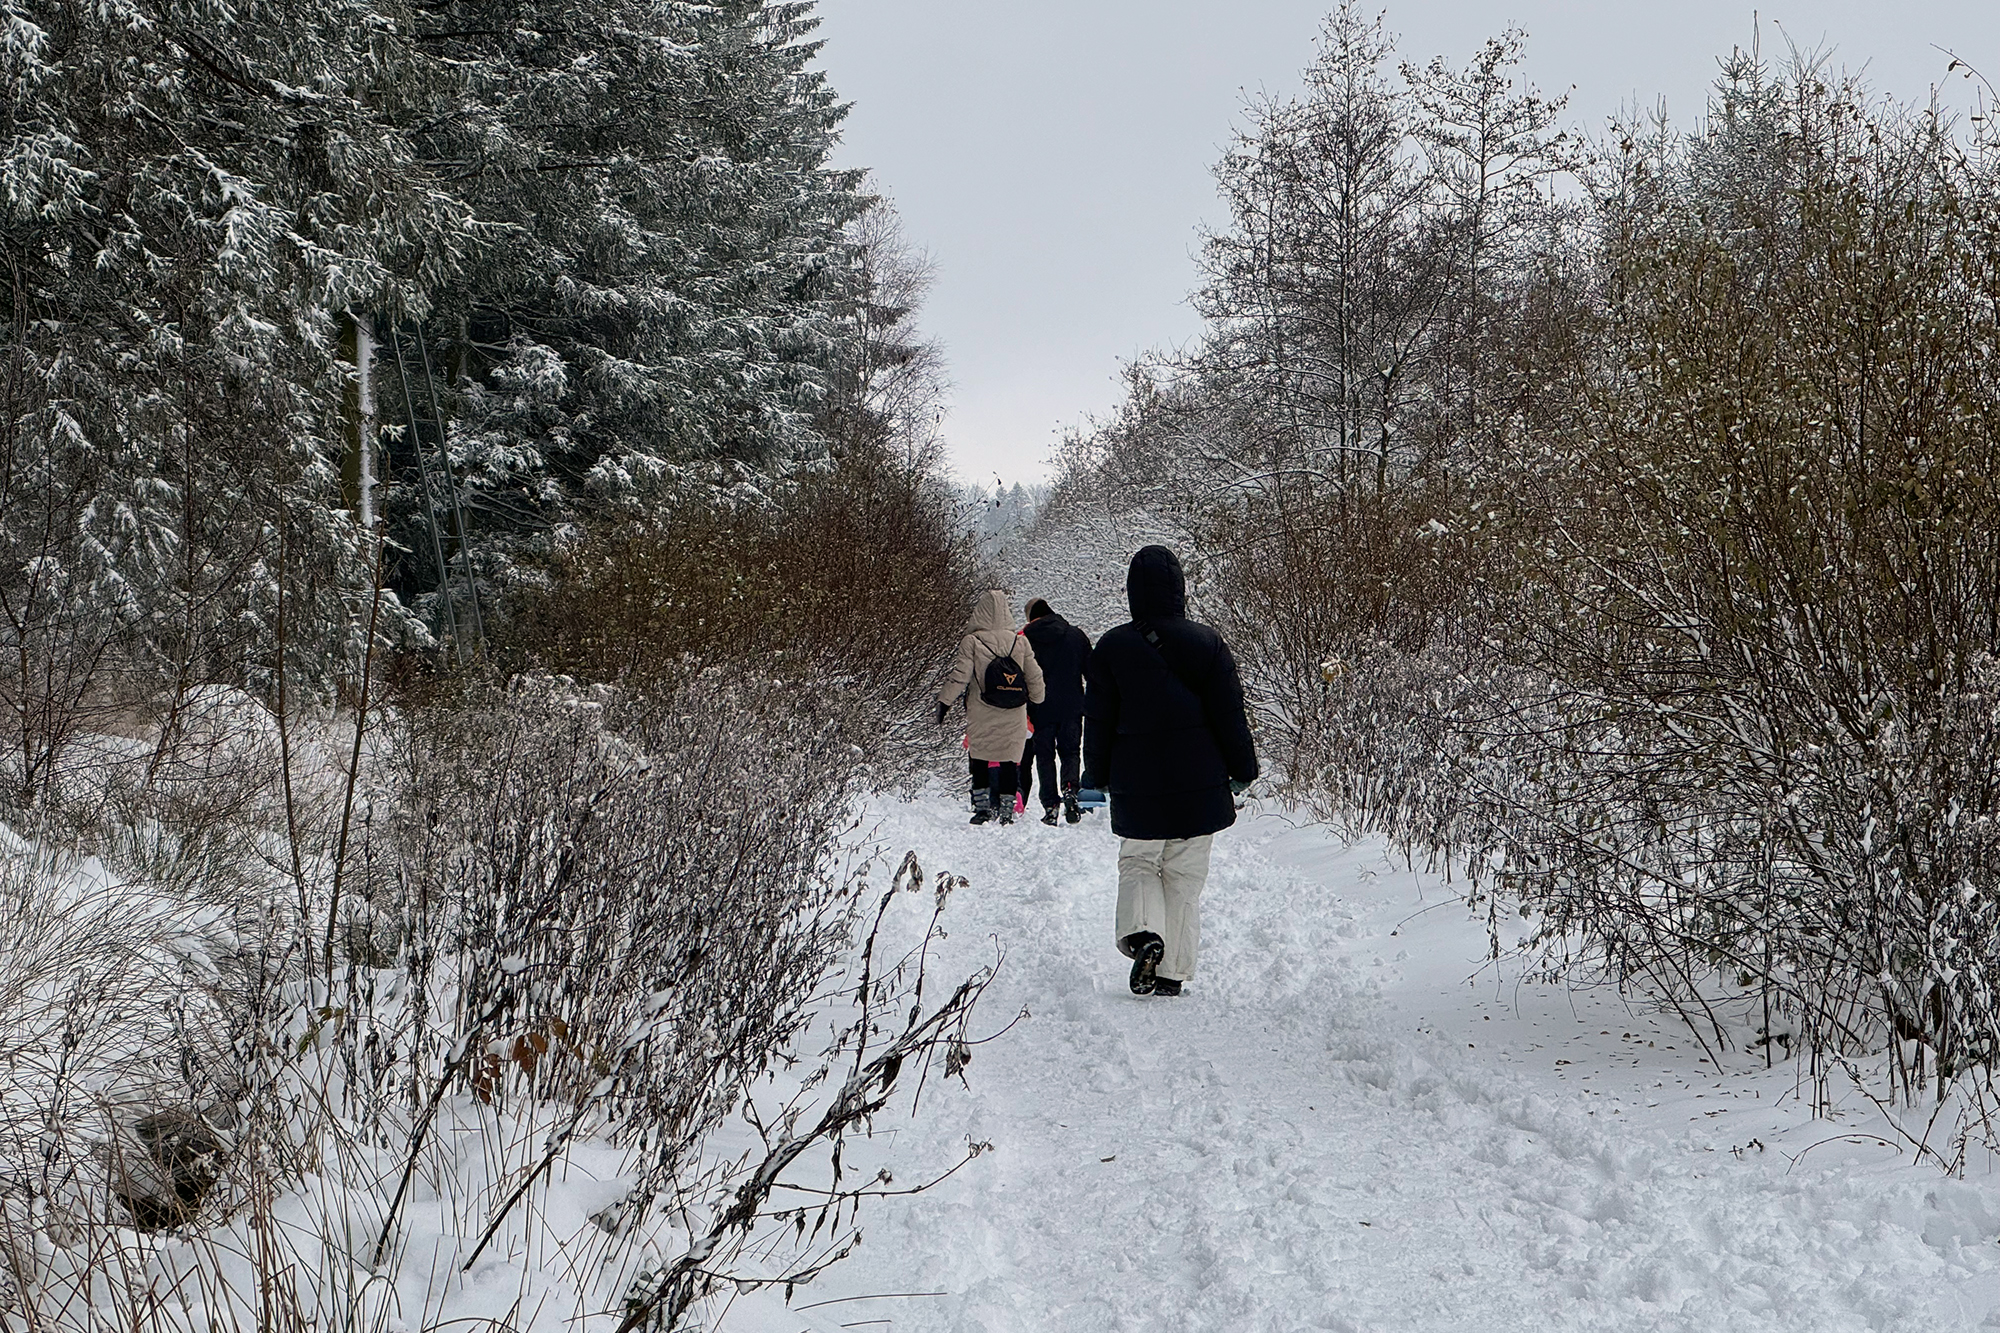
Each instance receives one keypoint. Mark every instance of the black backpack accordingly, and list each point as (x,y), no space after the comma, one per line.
(1005,684)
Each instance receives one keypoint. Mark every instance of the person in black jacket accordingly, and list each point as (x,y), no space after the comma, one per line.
(1062,649)
(1165,735)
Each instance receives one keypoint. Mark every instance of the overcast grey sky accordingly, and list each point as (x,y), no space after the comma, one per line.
(1053,155)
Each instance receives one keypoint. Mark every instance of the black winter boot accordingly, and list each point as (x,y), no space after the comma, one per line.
(982,806)
(1049,816)
(1071,810)
(1166,986)
(1006,804)
(1145,949)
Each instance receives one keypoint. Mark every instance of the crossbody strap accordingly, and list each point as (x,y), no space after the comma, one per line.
(1153,637)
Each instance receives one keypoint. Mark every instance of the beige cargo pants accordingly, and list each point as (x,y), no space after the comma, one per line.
(1159,889)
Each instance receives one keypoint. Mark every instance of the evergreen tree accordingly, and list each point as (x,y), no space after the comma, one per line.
(194,193)
(663,268)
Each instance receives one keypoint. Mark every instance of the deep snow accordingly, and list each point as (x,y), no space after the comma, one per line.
(1352,1122)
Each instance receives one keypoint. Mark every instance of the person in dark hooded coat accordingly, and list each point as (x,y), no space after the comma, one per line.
(1061,649)
(1165,735)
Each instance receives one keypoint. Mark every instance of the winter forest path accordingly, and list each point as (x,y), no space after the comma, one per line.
(1350,1123)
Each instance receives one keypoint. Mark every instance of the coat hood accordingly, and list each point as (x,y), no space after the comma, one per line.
(991,612)
(1155,588)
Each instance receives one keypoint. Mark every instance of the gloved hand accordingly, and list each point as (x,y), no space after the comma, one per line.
(1237,788)
(944,711)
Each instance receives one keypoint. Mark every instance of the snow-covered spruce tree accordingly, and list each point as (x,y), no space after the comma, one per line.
(193,194)
(664,267)
(778,568)
(197,199)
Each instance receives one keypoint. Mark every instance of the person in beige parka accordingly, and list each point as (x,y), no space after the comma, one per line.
(994,736)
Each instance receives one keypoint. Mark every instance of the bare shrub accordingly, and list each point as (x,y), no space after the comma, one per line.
(625,889)
(586,934)
(851,580)
(1728,726)
(1649,573)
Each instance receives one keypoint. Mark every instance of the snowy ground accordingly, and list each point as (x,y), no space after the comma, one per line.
(1349,1123)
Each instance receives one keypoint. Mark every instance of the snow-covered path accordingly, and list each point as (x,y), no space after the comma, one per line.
(1346,1123)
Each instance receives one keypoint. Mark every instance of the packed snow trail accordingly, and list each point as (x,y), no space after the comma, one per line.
(1348,1123)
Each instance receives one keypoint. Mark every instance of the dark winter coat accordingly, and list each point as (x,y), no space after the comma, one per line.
(1062,650)
(1164,729)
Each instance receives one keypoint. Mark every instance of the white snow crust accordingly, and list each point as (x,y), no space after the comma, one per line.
(1352,1122)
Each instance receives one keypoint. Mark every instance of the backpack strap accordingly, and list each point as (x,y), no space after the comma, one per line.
(978,673)
(1153,637)
(993,656)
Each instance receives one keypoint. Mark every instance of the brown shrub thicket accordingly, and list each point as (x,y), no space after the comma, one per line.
(1650,572)
(850,582)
